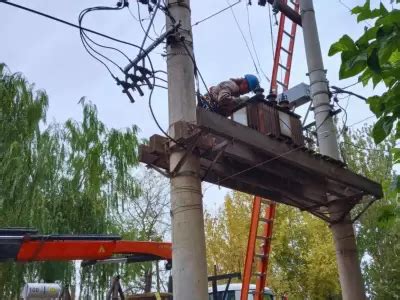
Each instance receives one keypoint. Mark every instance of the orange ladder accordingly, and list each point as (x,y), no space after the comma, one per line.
(256,263)
(264,223)
(280,49)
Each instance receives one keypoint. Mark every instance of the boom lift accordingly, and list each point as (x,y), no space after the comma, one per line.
(26,245)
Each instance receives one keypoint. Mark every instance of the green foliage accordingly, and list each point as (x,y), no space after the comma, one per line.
(375,57)
(60,178)
(377,230)
(302,258)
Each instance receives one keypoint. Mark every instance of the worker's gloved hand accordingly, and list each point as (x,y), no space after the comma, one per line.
(241,100)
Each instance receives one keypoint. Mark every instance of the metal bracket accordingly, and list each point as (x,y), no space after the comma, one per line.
(220,148)
(157,169)
(364,210)
(188,151)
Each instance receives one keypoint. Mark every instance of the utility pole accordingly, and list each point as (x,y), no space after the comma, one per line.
(343,232)
(189,269)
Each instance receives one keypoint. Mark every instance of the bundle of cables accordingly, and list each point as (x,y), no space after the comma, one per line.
(141,76)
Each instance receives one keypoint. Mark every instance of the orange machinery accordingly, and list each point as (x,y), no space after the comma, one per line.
(26,245)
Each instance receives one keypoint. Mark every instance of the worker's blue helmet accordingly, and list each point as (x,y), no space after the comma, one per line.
(252,81)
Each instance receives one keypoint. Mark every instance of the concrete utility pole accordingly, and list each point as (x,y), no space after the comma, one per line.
(343,233)
(189,269)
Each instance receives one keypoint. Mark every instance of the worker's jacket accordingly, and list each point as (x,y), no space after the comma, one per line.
(224,95)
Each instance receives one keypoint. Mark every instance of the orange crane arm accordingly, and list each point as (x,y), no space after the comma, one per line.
(29,247)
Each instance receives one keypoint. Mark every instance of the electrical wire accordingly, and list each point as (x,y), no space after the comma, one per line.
(99,60)
(244,38)
(195,65)
(197,72)
(82,29)
(216,13)
(345,115)
(351,85)
(151,97)
(338,90)
(252,42)
(84,36)
(350,10)
(146,35)
(132,14)
(68,23)
(271,33)
(141,21)
(363,120)
(155,118)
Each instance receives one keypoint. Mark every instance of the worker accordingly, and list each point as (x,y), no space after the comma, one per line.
(226,96)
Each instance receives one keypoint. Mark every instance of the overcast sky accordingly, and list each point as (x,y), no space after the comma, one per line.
(51,55)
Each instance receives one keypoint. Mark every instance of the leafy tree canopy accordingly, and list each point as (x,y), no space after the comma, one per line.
(375,57)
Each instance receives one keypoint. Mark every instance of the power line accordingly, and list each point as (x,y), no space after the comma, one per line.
(150,24)
(216,13)
(338,90)
(350,10)
(244,38)
(271,33)
(351,85)
(252,42)
(141,20)
(364,148)
(68,23)
(84,37)
(196,69)
(363,120)
(345,116)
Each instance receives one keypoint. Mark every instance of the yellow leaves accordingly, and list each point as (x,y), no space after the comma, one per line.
(226,233)
(303,259)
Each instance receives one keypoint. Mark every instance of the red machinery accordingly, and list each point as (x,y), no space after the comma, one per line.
(26,245)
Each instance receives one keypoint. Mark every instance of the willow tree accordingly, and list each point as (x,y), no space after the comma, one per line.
(59,178)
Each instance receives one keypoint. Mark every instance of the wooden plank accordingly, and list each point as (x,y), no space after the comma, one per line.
(225,127)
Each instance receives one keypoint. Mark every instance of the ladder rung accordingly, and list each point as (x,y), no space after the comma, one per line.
(283,67)
(286,51)
(265,220)
(288,34)
(264,238)
(259,274)
(282,84)
(265,201)
(262,256)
